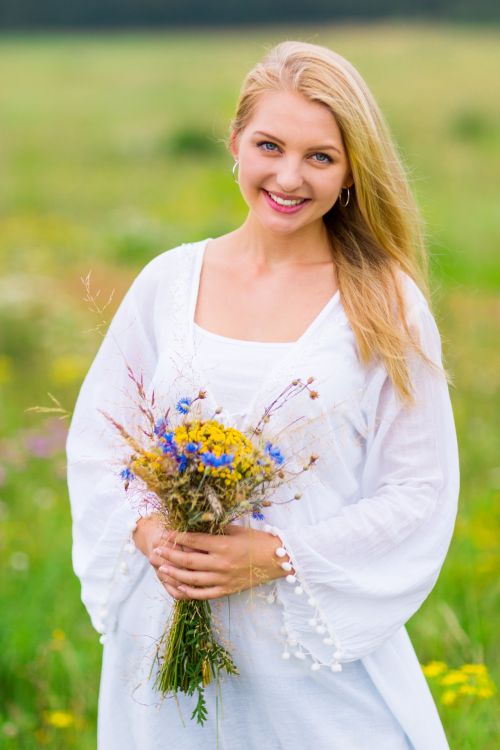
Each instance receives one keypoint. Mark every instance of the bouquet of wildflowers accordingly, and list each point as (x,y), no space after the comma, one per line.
(204,475)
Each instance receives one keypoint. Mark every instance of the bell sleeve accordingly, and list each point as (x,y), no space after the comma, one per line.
(103,515)
(363,572)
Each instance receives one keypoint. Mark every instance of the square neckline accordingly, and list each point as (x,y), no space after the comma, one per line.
(194,299)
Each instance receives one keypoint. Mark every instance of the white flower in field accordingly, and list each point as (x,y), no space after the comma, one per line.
(19,561)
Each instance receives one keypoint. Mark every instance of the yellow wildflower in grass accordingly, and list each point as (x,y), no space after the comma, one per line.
(59,719)
(454,677)
(449,697)
(58,634)
(434,668)
(469,680)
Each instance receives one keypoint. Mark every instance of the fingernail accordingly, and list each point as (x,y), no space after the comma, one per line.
(181,588)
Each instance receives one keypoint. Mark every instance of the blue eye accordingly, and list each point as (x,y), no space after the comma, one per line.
(265,143)
(320,153)
(326,160)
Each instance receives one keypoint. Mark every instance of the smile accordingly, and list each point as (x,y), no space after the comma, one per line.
(284,206)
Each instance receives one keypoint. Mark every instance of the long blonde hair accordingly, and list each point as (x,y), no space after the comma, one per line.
(381,229)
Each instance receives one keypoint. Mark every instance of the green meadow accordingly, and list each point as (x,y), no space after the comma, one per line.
(112,151)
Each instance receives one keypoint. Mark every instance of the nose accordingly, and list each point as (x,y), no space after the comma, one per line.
(289,175)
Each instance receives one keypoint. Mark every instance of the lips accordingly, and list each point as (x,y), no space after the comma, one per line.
(284,209)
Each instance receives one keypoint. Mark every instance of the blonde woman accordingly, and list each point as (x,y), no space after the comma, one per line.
(325,278)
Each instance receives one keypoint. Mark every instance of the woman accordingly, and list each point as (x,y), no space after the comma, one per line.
(322,279)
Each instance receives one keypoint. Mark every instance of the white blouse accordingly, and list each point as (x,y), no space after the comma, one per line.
(367,539)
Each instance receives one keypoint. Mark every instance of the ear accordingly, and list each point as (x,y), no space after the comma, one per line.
(233,144)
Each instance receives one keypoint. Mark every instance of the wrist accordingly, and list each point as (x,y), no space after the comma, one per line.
(279,563)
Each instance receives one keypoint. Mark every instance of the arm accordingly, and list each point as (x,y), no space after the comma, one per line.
(103,514)
(367,570)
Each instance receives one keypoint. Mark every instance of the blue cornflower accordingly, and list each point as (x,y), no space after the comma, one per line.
(160,426)
(258,515)
(183,405)
(126,474)
(192,447)
(210,459)
(168,444)
(274,453)
(182,463)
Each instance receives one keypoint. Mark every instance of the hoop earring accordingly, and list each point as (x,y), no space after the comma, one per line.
(348,197)
(236,163)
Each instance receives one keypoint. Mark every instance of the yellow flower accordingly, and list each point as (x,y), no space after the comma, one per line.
(58,635)
(467,690)
(449,697)
(454,677)
(59,719)
(434,668)
(477,669)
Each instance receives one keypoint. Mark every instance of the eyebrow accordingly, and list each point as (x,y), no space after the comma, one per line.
(328,146)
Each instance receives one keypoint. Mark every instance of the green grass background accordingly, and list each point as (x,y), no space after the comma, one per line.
(111,152)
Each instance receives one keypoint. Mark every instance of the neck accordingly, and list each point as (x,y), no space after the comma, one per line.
(264,247)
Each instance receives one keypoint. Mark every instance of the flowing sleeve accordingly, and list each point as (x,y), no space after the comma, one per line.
(103,516)
(367,569)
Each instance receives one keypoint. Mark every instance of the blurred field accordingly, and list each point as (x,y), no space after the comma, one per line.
(111,152)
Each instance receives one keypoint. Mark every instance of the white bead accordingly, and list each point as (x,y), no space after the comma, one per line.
(312,622)
(132,525)
(102,639)
(315,666)
(311,601)
(285,655)
(337,654)
(274,531)
(280,552)
(336,667)
(124,568)
(321,629)
(299,654)
(130,548)
(286,566)
(291,579)
(104,612)
(328,641)
(292,641)
(299,590)
(100,626)
(267,528)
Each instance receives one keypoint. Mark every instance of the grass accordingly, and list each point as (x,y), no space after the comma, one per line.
(112,151)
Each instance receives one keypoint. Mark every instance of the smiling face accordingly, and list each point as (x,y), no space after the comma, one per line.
(291,149)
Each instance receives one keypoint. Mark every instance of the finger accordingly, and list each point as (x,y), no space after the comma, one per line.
(164,578)
(211,592)
(190,560)
(175,593)
(206,542)
(192,578)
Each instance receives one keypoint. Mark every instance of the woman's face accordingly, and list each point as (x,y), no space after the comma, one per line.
(292,148)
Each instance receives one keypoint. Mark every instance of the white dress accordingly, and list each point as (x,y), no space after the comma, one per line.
(367,539)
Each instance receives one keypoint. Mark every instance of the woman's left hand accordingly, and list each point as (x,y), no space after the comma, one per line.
(208,566)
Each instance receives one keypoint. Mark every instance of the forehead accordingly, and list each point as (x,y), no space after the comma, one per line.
(285,112)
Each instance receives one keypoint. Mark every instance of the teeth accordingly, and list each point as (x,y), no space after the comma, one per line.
(283,202)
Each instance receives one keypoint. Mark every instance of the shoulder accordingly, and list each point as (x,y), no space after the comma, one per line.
(165,269)
(415,302)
